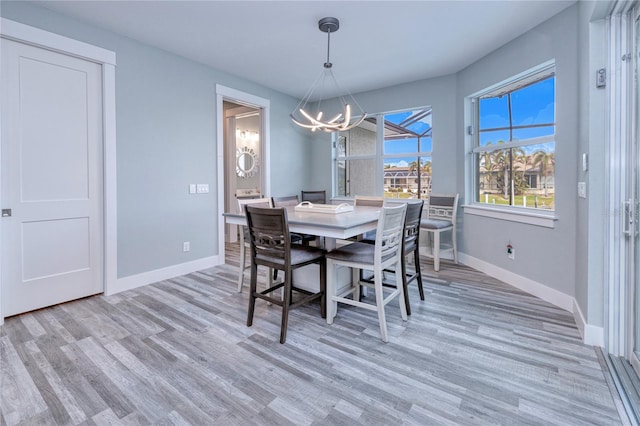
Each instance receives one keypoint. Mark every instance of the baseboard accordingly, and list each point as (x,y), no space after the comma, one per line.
(591,335)
(139,280)
(535,288)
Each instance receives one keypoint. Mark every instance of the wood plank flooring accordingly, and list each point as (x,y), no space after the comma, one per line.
(475,352)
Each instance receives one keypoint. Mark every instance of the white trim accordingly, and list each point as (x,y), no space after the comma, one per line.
(36,37)
(591,334)
(546,293)
(222,93)
(150,277)
(39,38)
(110,179)
(514,144)
(538,69)
(509,213)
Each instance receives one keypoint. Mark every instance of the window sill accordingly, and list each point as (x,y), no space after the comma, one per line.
(546,220)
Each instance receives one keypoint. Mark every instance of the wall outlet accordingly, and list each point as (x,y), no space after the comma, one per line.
(186,246)
(202,188)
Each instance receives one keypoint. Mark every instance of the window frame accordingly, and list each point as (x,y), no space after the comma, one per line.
(527,215)
(379,155)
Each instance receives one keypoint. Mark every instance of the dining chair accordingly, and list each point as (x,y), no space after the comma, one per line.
(271,247)
(361,200)
(385,253)
(410,246)
(292,201)
(244,233)
(441,217)
(365,201)
(319,197)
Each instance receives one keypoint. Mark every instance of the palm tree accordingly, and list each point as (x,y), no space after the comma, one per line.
(546,161)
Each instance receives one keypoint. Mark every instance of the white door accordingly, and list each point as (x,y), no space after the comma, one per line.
(51,171)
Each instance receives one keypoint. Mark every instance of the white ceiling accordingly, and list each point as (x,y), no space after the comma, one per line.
(278,43)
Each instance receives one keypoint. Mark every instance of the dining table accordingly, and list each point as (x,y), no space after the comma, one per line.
(332,227)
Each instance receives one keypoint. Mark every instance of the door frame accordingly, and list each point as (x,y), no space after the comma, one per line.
(236,96)
(26,34)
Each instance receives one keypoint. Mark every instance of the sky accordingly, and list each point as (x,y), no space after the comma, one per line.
(531,105)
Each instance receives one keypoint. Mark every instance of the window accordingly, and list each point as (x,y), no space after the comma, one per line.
(388,154)
(514,142)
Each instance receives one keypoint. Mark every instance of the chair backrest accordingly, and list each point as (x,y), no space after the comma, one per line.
(319,197)
(256,202)
(389,234)
(412,224)
(443,207)
(290,200)
(361,200)
(268,235)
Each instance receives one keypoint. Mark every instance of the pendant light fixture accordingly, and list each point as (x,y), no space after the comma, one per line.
(341,117)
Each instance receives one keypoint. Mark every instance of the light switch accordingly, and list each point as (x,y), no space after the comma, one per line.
(192,188)
(202,188)
(582,189)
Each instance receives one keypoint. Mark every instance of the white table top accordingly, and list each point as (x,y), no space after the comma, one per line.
(341,225)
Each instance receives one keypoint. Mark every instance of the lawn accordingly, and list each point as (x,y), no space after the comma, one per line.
(543,202)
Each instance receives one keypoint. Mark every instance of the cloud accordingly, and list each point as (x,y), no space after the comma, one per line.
(401,163)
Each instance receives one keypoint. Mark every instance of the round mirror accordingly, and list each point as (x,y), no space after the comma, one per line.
(246,162)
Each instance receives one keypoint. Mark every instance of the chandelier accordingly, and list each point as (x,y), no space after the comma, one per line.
(340,118)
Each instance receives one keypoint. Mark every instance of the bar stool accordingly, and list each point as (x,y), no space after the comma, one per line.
(271,247)
(244,234)
(410,245)
(385,253)
(441,217)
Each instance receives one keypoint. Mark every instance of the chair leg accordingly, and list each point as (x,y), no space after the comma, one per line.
(436,251)
(331,291)
(401,291)
(380,305)
(286,302)
(356,276)
(416,260)
(405,286)
(252,294)
(323,288)
(243,259)
(455,246)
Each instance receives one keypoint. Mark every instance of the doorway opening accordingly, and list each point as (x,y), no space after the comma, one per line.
(243,154)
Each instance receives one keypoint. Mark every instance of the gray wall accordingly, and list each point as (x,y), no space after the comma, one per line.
(590,235)
(166,139)
(544,255)
(439,93)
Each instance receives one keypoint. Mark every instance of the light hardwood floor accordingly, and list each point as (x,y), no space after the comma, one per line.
(476,351)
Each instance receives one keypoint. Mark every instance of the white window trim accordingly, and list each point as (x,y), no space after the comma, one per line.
(512,214)
(379,156)
(528,216)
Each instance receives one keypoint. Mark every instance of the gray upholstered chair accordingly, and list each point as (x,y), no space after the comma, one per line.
(441,217)
(385,253)
(271,247)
